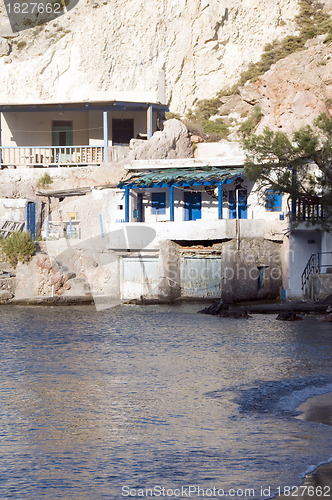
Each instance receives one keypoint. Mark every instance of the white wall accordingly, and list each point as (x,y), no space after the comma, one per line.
(302,244)
(256,207)
(35,129)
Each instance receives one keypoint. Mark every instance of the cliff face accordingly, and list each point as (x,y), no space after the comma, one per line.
(197,47)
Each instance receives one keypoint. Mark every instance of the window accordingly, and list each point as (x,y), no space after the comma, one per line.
(273,201)
(237,204)
(192,206)
(159,203)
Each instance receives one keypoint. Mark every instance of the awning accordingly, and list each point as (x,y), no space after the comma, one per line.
(182,177)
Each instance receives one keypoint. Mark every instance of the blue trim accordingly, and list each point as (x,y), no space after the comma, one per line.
(70,229)
(127,200)
(115,106)
(171,203)
(105,132)
(220,199)
(101,226)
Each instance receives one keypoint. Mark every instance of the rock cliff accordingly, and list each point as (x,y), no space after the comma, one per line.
(190,48)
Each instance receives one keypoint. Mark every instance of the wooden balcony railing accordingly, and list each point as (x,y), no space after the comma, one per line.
(51,155)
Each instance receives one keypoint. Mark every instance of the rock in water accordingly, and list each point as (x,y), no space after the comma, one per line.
(289,316)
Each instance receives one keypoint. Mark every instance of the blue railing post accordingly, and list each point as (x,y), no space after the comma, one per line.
(220,200)
(171,203)
(127,200)
(101,225)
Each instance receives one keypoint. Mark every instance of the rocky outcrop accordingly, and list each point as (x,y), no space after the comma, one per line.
(172,142)
(290,95)
(195,47)
(297,89)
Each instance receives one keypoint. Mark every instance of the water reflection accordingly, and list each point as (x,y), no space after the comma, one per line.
(147,395)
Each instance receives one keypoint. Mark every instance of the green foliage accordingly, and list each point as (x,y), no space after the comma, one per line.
(251,123)
(301,167)
(204,109)
(21,45)
(198,122)
(169,116)
(216,129)
(312,21)
(18,247)
(44,181)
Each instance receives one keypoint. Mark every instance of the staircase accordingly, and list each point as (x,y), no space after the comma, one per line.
(316,278)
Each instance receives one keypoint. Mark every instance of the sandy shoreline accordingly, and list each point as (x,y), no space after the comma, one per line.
(317,409)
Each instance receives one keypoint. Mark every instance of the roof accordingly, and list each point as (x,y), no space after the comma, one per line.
(182,177)
(110,105)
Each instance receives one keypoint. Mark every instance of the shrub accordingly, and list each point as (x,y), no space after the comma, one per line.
(216,129)
(21,44)
(169,115)
(251,123)
(18,247)
(44,181)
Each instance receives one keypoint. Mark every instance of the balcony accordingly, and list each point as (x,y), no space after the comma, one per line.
(48,156)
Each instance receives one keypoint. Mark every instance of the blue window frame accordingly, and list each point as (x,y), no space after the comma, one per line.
(273,201)
(237,204)
(159,203)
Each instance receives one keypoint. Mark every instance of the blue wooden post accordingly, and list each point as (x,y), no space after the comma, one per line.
(105,130)
(101,226)
(220,200)
(70,229)
(171,203)
(149,122)
(127,200)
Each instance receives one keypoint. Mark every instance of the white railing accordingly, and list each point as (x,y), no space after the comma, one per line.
(51,155)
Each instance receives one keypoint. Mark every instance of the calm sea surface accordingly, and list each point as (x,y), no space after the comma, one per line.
(105,404)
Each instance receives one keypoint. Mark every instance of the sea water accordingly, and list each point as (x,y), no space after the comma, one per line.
(157,401)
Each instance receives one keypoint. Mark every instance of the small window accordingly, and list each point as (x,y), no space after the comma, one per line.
(159,203)
(273,201)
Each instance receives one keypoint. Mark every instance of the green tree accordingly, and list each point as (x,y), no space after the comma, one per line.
(300,167)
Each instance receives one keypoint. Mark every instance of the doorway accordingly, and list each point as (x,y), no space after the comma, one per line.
(62,136)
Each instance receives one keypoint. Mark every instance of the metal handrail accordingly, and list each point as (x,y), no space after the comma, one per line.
(314,265)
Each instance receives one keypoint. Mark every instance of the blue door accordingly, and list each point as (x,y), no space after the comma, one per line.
(140,212)
(192,206)
(237,202)
(31,219)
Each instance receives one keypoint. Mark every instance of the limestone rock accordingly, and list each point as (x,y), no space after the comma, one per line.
(5,295)
(4,47)
(172,142)
(296,89)
(200,47)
